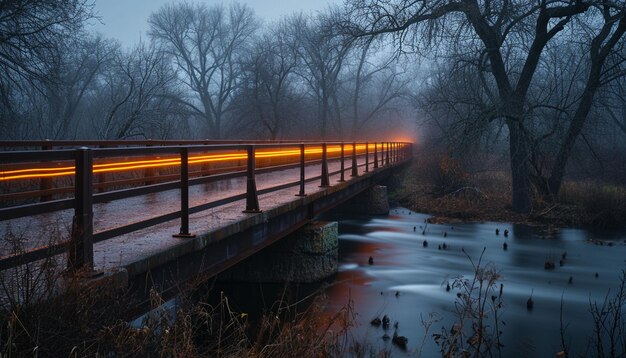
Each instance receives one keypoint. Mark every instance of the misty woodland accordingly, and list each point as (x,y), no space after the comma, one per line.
(515,111)
(539,81)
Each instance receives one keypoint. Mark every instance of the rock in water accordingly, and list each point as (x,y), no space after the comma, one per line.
(400,341)
(425,243)
(375,322)
(371,260)
(386,321)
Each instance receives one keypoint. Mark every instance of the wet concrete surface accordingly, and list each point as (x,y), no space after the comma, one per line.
(123,250)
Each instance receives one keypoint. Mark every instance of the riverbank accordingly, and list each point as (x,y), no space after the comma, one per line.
(443,189)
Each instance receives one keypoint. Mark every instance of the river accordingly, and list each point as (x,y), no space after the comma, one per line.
(408,281)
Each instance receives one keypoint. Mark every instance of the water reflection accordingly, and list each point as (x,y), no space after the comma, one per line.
(408,281)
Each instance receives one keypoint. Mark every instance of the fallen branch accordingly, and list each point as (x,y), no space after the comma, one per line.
(547,210)
(468,188)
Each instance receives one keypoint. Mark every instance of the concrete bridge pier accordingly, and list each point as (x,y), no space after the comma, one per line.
(373,201)
(308,255)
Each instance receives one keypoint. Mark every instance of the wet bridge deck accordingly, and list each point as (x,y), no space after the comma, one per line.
(222,233)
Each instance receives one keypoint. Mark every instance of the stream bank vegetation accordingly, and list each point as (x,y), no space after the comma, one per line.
(46,312)
(458,189)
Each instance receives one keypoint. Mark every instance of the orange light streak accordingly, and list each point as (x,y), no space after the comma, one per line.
(33,173)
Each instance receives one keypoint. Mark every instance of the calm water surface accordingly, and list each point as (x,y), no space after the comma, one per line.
(408,281)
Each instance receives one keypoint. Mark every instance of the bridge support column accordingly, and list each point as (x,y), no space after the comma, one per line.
(372,201)
(308,255)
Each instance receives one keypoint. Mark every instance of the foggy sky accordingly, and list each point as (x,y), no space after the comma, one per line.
(127,20)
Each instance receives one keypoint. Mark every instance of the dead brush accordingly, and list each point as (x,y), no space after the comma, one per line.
(44,311)
(48,313)
(609,323)
(477,328)
(305,334)
(604,205)
(197,328)
(30,282)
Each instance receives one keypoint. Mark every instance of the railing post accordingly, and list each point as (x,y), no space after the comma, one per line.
(367,157)
(184,194)
(101,176)
(382,154)
(355,169)
(325,180)
(301,193)
(387,155)
(341,176)
(45,183)
(148,173)
(397,152)
(252,199)
(375,155)
(80,253)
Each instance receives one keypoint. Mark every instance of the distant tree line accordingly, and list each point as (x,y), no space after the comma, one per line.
(542,81)
(206,72)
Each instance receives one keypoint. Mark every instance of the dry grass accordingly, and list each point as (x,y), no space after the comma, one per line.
(45,312)
(604,205)
(89,322)
(456,195)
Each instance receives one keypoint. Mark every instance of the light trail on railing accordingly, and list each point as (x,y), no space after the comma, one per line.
(49,172)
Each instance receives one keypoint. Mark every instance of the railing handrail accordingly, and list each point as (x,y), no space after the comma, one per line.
(68,154)
(151,142)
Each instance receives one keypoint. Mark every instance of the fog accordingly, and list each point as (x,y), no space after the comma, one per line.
(127,21)
(535,88)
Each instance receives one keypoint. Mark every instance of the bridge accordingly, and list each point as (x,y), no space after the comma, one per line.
(155,213)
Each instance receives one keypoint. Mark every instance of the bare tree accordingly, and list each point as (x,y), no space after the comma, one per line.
(605,65)
(30,32)
(268,93)
(73,75)
(323,48)
(206,44)
(135,95)
(377,84)
(506,39)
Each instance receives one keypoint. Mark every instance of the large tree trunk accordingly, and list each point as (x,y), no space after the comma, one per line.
(578,122)
(521,196)
(601,48)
